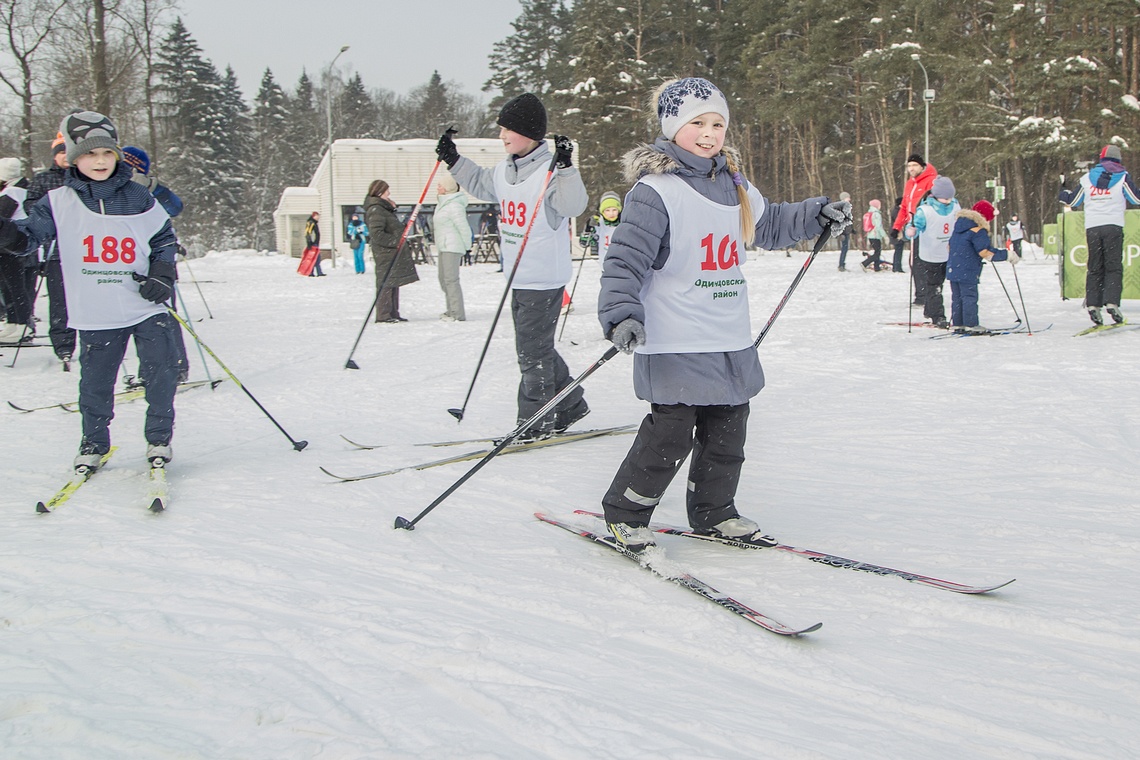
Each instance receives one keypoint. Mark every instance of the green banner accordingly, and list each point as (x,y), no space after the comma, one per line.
(1049,239)
(1071,240)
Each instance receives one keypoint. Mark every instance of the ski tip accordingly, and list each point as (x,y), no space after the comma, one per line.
(350,364)
(42,508)
(403,523)
(157,506)
(300,445)
(456,413)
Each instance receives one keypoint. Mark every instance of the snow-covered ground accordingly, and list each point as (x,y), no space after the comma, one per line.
(273,613)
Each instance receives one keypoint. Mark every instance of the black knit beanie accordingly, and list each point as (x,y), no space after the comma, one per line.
(526,115)
(915,158)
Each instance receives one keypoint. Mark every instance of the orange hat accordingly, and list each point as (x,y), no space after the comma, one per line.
(57,145)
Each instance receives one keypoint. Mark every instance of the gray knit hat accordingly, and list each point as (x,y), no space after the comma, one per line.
(84,131)
(942,187)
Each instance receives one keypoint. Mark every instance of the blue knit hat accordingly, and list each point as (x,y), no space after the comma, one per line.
(137,158)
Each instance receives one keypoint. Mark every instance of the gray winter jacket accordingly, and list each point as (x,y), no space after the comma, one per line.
(565,195)
(640,245)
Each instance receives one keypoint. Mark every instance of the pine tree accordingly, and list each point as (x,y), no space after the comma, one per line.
(270,150)
(533,58)
(359,117)
(308,131)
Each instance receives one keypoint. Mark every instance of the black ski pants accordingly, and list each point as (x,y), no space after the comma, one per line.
(932,276)
(544,373)
(1104,277)
(665,438)
(99,360)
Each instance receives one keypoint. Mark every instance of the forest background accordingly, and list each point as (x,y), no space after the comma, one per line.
(825,95)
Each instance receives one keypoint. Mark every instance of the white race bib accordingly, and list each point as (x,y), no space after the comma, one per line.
(98,254)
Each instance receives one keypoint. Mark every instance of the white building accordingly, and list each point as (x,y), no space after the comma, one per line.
(403,164)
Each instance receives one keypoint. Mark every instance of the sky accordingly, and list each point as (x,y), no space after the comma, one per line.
(393,45)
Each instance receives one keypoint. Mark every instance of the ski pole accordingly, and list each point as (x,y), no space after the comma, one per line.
(573,289)
(1021,297)
(19,343)
(1015,314)
(297,445)
(458,413)
(406,524)
(819,243)
(350,364)
(910,295)
(193,279)
(205,364)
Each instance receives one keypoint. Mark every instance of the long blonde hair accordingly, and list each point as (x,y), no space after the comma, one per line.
(747,221)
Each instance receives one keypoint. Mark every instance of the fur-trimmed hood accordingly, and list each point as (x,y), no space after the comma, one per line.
(653,159)
(975,217)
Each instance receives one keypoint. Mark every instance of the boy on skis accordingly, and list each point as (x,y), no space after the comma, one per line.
(544,269)
(932,224)
(111,236)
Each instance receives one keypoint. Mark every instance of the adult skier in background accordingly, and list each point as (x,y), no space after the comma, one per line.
(18,298)
(673,294)
(544,269)
(1105,191)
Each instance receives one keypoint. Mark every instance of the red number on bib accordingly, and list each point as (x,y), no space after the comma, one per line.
(90,258)
(513,213)
(946,229)
(109,253)
(726,256)
(128,253)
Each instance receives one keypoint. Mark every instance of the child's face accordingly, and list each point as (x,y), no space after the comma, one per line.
(703,136)
(516,144)
(98,164)
(611,213)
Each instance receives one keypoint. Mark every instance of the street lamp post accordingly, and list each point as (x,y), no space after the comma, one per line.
(335,222)
(927,99)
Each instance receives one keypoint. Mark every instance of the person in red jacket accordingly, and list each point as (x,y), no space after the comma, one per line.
(920,176)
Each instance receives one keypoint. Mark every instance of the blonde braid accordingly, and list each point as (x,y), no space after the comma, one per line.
(747,223)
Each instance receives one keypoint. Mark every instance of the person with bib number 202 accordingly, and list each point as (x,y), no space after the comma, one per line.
(673,294)
(117,251)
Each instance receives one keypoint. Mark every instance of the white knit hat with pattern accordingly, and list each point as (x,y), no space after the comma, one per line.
(681,100)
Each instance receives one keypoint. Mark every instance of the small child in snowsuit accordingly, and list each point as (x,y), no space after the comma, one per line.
(539,283)
(932,224)
(969,246)
(673,294)
(600,228)
(111,235)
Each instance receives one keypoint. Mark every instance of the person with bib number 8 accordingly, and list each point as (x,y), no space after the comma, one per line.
(111,236)
(674,295)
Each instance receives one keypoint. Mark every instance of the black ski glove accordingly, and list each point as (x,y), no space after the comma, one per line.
(445,149)
(563,151)
(158,286)
(894,235)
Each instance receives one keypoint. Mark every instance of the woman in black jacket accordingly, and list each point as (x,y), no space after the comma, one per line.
(385,230)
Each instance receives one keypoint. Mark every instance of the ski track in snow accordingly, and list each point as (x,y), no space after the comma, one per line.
(274,613)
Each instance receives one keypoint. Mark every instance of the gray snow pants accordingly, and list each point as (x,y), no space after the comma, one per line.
(544,373)
(663,441)
(448,265)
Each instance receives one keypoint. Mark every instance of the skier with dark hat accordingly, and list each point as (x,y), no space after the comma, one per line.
(545,268)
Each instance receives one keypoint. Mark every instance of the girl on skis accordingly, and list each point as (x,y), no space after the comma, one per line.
(673,294)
